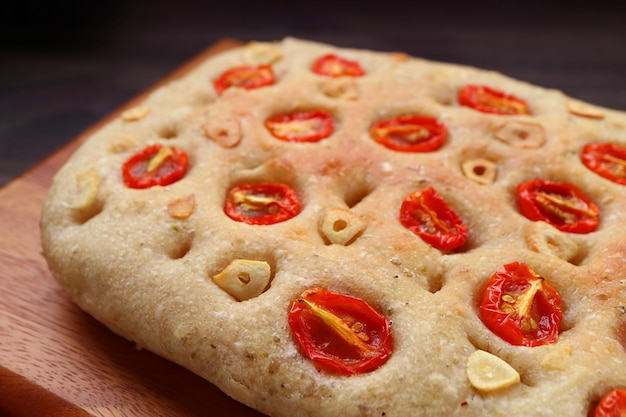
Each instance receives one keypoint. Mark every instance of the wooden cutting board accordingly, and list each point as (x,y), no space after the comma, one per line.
(55,360)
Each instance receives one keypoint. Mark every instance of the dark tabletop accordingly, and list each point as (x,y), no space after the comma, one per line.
(66,64)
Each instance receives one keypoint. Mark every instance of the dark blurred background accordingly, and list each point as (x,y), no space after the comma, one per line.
(66,64)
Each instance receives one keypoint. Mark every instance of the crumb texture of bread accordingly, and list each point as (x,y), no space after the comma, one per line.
(143,261)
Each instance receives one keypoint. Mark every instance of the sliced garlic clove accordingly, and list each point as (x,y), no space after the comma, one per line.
(86,197)
(487,372)
(345,88)
(480,170)
(225,131)
(581,109)
(244,279)
(181,208)
(547,239)
(519,134)
(122,144)
(135,113)
(341,226)
(257,53)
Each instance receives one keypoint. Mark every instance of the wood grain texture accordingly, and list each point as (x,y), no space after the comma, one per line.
(55,360)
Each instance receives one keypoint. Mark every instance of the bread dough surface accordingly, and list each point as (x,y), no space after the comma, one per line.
(142,261)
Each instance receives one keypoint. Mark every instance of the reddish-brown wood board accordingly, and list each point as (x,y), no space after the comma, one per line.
(55,360)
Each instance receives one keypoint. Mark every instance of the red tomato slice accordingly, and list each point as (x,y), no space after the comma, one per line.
(410,133)
(489,100)
(561,204)
(426,214)
(331,65)
(340,333)
(607,160)
(521,307)
(305,126)
(262,204)
(154,165)
(247,77)
(612,405)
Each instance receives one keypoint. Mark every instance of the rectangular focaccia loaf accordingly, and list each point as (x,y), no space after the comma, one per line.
(330,231)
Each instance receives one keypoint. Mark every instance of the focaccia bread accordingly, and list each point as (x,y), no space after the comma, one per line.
(324,231)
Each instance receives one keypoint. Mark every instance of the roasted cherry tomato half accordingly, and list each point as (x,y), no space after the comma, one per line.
(262,204)
(612,405)
(410,133)
(340,333)
(246,76)
(607,160)
(305,126)
(489,100)
(426,214)
(154,165)
(521,307)
(561,204)
(331,65)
